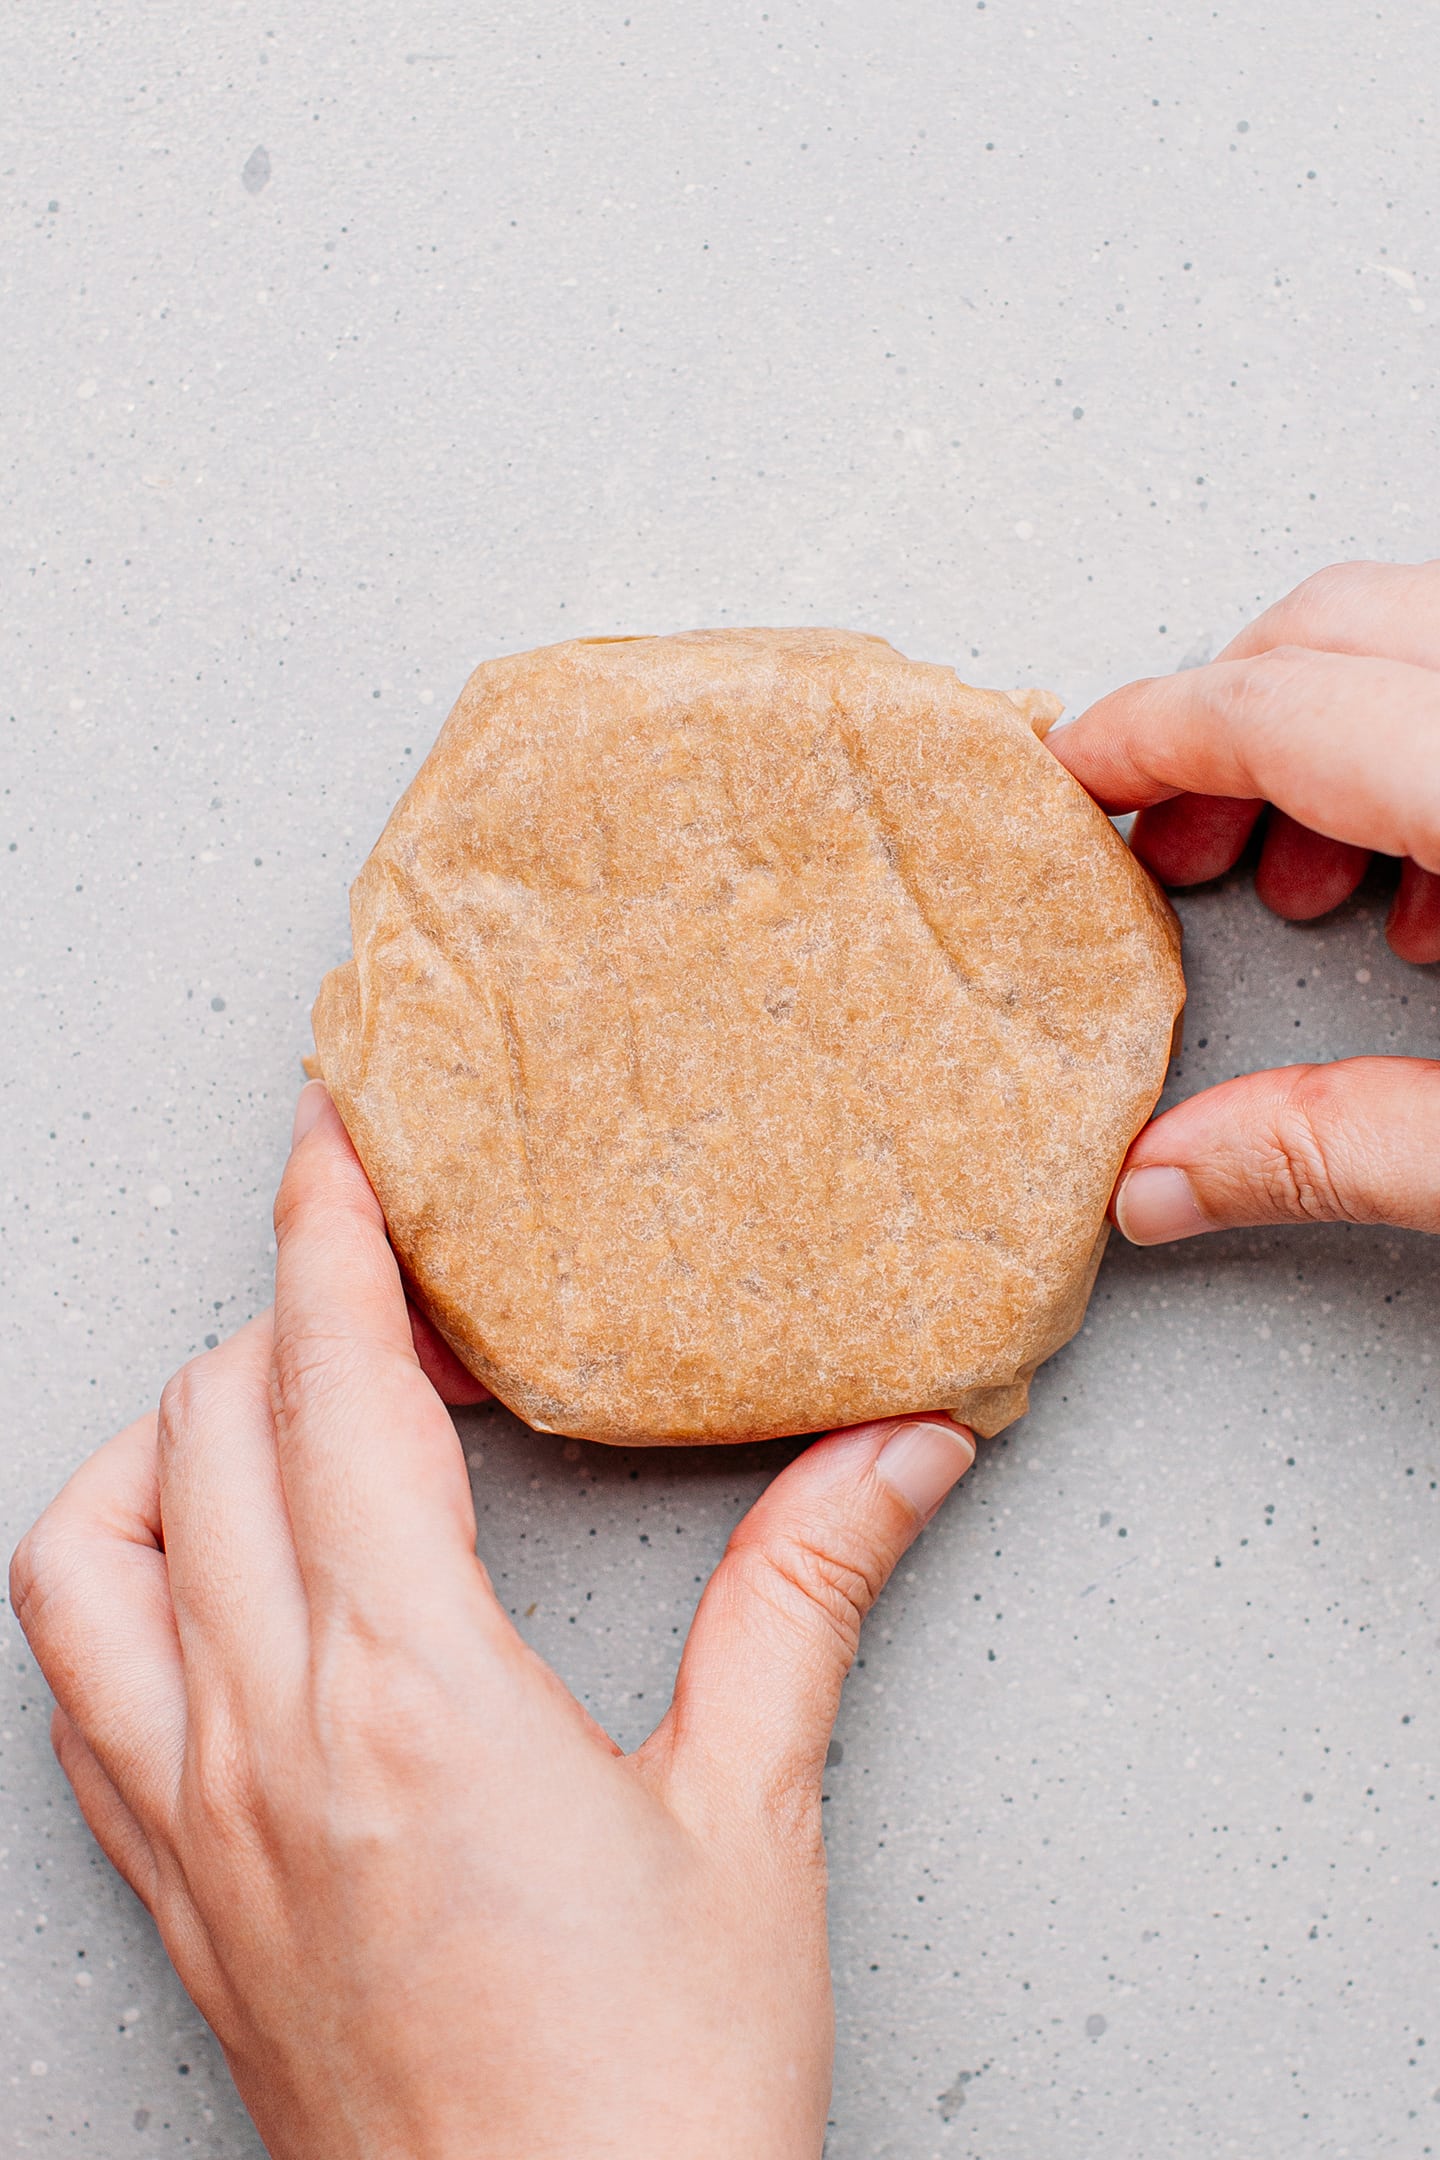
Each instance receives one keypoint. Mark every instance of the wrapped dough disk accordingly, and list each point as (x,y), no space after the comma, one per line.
(744,1033)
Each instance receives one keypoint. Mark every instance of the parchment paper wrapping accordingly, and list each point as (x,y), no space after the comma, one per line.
(744,1033)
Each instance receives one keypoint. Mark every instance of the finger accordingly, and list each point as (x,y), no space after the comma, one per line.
(88,1585)
(1414,925)
(1301,874)
(1349,747)
(374,1479)
(234,1581)
(1359,607)
(1357,1141)
(109,1821)
(776,1630)
(449,1378)
(1193,838)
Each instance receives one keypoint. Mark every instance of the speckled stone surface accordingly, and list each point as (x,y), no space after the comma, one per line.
(345,346)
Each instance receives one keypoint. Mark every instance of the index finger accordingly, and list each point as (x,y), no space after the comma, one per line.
(1354,607)
(373,1474)
(1346,745)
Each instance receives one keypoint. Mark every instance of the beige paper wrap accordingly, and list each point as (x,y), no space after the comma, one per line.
(743,1035)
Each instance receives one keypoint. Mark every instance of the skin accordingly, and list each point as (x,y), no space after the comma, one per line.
(1328,709)
(427,1905)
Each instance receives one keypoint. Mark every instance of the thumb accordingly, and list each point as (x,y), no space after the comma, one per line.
(777,1628)
(1357,1141)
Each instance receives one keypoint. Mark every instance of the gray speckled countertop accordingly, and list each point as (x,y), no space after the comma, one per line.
(346,346)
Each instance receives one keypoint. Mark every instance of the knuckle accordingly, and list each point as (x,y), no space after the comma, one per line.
(306,1200)
(43,1572)
(220,1775)
(290,1200)
(790,1806)
(314,1364)
(208,1389)
(1261,687)
(179,1405)
(1267,675)
(33,1573)
(1298,1168)
(1316,601)
(806,1578)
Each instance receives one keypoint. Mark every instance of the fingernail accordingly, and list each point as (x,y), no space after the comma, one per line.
(1156,1204)
(313,1098)
(921,1462)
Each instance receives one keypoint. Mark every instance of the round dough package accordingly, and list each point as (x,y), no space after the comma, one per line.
(744,1033)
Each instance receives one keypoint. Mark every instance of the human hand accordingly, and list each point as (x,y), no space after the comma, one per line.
(1328,709)
(427,1905)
